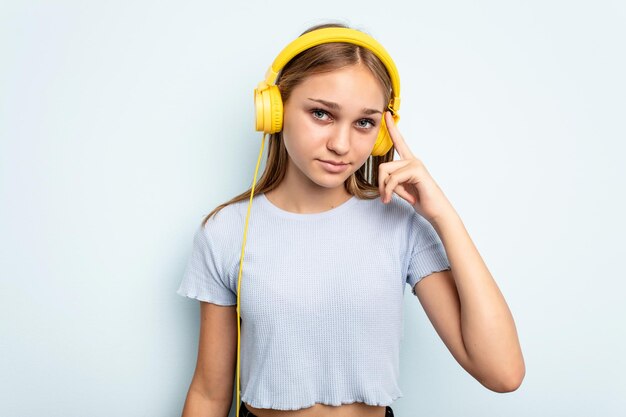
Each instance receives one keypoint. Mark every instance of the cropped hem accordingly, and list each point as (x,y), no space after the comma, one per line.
(284,407)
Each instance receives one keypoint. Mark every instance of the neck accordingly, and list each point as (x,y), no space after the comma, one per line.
(304,196)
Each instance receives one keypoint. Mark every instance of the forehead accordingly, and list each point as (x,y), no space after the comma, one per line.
(353,86)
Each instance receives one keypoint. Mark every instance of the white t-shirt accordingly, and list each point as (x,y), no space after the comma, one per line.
(321,296)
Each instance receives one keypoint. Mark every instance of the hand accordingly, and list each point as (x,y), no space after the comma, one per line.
(409,178)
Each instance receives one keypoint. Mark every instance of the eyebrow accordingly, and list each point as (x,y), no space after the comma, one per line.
(336,106)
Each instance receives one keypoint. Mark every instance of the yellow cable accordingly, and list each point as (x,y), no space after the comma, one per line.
(243,245)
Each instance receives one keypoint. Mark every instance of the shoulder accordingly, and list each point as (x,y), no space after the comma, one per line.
(223,223)
(397,215)
(397,209)
(406,210)
(227,214)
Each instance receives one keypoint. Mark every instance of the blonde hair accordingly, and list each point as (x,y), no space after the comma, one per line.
(326,57)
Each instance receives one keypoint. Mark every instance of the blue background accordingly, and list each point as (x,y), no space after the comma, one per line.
(123,123)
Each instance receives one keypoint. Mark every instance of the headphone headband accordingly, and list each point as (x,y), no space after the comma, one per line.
(327,35)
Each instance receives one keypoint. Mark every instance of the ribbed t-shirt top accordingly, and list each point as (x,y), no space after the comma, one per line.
(321,301)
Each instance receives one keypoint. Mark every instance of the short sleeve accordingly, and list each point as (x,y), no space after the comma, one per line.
(428,254)
(205,277)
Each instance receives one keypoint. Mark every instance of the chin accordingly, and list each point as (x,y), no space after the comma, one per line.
(333,182)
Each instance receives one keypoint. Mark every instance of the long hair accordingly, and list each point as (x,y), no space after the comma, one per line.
(326,57)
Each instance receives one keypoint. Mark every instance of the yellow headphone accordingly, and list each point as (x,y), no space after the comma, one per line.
(269,116)
(267,100)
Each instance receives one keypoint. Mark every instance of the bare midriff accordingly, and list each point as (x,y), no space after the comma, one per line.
(323,410)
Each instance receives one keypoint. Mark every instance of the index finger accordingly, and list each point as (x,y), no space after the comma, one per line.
(396,137)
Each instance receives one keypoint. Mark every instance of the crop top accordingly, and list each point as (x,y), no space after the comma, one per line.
(321,302)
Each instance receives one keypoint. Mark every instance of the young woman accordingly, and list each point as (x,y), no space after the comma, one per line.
(337,230)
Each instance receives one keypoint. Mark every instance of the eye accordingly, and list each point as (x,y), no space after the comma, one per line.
(362,124)
(370,121)
(317,112)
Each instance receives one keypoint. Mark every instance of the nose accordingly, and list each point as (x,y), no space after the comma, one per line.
(339,141)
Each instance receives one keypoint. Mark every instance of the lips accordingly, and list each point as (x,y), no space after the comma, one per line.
(333,162)
(334,167)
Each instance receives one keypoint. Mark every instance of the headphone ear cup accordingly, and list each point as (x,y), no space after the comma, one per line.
(268,106)
(383,140)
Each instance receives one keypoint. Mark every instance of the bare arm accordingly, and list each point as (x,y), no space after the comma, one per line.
(469,312)
(465,305)
(211,389)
